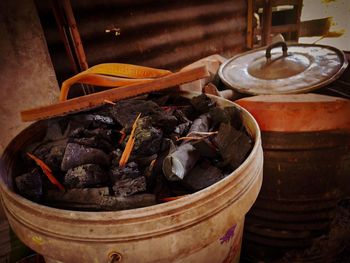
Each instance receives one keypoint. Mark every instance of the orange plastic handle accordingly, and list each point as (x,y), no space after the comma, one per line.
(112,75)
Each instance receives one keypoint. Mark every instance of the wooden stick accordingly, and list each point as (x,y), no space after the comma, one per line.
(97,99)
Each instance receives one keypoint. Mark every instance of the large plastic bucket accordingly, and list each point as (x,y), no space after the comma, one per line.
(306,143)
(206,226)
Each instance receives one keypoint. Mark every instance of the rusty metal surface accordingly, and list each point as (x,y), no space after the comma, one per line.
(164,34)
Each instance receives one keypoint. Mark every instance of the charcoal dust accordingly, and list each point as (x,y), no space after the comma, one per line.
(135,153)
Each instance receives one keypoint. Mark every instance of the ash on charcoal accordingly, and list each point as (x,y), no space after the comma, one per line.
(30,184)
(90,121)
(127,180)
(233,145)
(130,186)
(113,203)
(202,103)
(129,171)
(86,175)
(202,176)
(96,138)
(147,138)
(76,155)
(99,118)
(96,199)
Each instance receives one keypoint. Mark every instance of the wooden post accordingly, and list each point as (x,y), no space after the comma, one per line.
(267,20)
(250,29)
(75,34)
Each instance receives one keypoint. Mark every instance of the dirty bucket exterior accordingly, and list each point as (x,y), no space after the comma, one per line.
(206,226)
(306,143)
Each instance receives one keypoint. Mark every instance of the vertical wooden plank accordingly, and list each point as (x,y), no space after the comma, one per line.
(250,31)
(298,8)
(75,34)
(267,19)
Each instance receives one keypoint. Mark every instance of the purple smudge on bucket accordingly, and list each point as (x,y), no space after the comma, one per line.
(228,235)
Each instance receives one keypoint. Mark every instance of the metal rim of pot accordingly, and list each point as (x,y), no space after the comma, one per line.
(297,68)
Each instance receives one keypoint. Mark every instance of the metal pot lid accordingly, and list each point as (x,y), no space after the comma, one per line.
(297,68)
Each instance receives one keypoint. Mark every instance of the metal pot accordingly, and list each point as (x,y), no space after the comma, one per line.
(299,68)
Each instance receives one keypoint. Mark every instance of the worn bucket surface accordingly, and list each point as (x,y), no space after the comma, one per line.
(206,226)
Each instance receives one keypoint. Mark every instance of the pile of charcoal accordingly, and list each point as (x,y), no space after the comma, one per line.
(133,153)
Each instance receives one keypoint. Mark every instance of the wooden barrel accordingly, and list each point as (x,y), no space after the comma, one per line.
(306,142)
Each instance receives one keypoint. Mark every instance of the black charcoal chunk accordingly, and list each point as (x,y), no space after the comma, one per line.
(130,171)
(228,115)
(202,176)
(126,111)
(164,121)
(206,148)
(130,186)
(115,157)
(114,203)
(76,155)
(143,161)
(166,145)
(147,138)
(127,180)
(181,116)
(96,199)
(178,163)
(30,185)
(55,131)
(86,175)
(51,153)
(234,145)
(99,118)
(96,138)
(202,103)
(85,199)
(162,100)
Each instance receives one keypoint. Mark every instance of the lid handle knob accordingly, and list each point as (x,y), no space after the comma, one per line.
(277,44)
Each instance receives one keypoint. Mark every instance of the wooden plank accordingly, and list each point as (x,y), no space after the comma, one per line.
(250,33)
(266,23)
(298,8)
(97,99)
